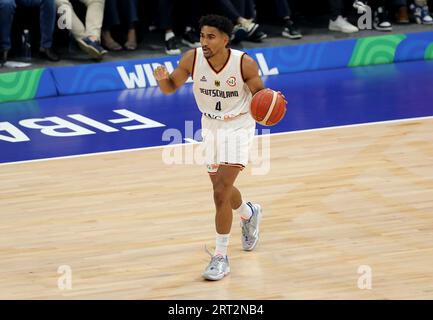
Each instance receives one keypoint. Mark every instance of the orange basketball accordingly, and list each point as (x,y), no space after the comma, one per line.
(268,107)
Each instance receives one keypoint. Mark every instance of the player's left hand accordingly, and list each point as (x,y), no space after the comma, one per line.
(161,73)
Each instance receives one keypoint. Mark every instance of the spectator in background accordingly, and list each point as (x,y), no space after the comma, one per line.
(242,13)
(337,21)
(290,29)
(165,11)
(190,36)
(401,13)
(47,17)
(88,36)
(115,13)
(421,12)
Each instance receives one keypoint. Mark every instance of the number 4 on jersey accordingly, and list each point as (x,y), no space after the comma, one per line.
(218,106)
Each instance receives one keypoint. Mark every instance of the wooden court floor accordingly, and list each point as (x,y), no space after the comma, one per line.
(131,227)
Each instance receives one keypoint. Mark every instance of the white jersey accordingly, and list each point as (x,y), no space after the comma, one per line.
(220,95)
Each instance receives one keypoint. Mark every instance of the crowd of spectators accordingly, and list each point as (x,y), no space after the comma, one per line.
(93,29)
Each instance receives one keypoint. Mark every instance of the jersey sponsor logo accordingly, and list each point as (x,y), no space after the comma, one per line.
(225,117)
(231,81)
(203,79)
(213,116)
(219,93)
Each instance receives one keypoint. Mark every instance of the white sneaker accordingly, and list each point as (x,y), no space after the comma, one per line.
(341,24)
(217,268)
(250,228)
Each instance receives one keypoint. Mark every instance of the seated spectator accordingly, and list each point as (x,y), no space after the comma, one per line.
(47,17)
(88,36)
(337,22)
(290,29)
(242,13)
(401,13)
(421,12)
(165,10)
(190,36)
(117,12)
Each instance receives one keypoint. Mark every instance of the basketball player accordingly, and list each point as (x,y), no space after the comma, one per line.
(224,82)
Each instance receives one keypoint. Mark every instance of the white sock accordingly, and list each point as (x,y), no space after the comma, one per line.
(244,211)
(169,35)
(222,243)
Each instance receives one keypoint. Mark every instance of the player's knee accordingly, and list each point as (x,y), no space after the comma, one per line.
(221,194)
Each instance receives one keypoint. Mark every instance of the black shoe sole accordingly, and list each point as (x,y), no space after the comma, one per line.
(286,35)
(90,50)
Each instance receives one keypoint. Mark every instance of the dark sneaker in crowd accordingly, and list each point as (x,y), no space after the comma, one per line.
(291,31)
(171,47)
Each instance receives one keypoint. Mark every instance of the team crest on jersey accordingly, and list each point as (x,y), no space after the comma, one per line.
(231,81)
(203,79)
(217,83)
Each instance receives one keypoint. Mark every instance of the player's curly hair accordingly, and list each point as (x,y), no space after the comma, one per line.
(223,24)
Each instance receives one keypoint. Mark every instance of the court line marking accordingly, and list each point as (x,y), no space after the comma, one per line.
(257,136)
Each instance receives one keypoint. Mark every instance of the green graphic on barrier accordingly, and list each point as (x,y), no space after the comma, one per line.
(20,85)
(429,52)
(375,50)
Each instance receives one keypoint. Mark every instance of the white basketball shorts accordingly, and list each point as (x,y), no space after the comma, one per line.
(227,142)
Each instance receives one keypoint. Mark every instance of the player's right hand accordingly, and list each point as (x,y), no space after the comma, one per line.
(281,94)
(161,73)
